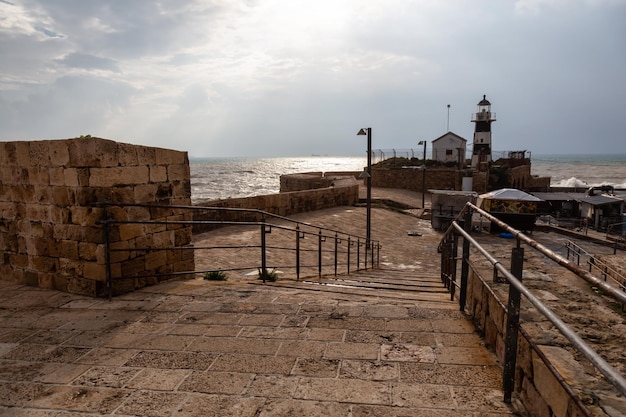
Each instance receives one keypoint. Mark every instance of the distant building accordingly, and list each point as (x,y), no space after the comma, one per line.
(449,147)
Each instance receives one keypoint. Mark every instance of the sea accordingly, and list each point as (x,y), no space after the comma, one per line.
(220,178)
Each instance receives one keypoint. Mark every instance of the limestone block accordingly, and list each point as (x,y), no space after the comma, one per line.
(21,154)
(37,212)
(130,231)
(547,384)
(92,152)
(42,263)
(170,157)
(533,402)
(164,239)
(94,271)
(145,193)
(133,267)
(39,175)
(127,154)
(87,196)
(6,174)
(88,251)
(85,216)
(70,177)
(115,176)
(158,173)
(60,196)
(154,260)
(120,194)
(5,149)
(138,213)
(46,281)
(20,176)
(146,155)
(178,172)
(68,249)
(31,278)
(36,246)
(59,153)
(39,152)
(57,176)
(82,286)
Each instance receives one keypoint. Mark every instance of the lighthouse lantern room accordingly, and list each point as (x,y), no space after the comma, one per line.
(481,151)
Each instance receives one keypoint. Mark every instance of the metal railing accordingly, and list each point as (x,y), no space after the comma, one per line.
(607,272)
(448,248)
(315,249)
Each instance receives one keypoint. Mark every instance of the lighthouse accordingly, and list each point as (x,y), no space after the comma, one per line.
(481,151)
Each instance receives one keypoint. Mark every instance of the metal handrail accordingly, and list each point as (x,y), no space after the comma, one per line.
(605,269)
(321,234)
(604,367)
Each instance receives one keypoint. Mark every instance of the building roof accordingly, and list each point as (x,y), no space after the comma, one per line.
(600,200)
(484,101)
(560,196)
(447,135)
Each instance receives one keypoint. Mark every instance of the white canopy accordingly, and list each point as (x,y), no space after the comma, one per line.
(509,194)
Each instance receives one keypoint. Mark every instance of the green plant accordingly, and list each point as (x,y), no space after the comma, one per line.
(84,136)
(215,276)
(266,275)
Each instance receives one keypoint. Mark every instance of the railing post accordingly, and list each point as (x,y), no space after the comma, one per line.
(377,254)
(467,226)
(454,255)
(263,251)
(349,246)
(445,263)
(297,252)
(319,253)
(336,251)
(107,251)
(512,324)
(358,254)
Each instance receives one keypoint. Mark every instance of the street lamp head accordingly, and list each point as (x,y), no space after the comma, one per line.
(362,132)
(421,142)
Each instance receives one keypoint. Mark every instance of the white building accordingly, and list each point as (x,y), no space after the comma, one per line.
(449,147)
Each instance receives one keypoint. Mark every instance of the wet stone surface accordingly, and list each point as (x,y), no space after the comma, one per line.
(239,348)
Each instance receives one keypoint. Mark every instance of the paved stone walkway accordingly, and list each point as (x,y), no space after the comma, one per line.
(386,342)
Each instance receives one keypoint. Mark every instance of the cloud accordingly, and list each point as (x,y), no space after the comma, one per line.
(86,61)
(276,77)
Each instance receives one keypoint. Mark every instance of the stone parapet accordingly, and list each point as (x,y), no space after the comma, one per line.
(343,192)
(540,382)
(50,233)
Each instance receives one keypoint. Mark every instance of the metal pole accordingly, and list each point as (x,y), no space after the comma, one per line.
(263,251)
(465,262)
(298,252)
(512,323)
(369,193)
(424,178)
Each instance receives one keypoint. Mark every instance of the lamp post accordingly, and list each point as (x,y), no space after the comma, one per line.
(368,182)
(423,142)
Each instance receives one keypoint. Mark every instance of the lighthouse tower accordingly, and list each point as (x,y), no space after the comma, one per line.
(482,133)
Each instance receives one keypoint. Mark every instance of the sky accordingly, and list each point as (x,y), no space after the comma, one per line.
(220,78)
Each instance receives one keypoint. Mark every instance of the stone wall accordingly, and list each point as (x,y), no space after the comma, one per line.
(312,180)
(343,192)
(439,178)
(411,178)
(50,234)
(536,386)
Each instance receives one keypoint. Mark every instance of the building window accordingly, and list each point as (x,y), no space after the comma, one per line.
(448,152)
